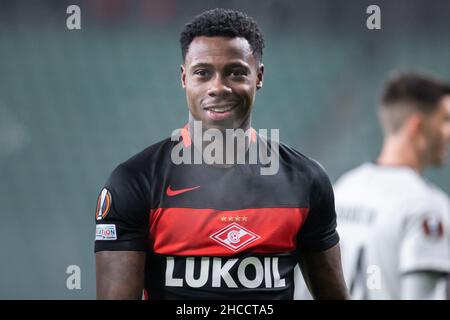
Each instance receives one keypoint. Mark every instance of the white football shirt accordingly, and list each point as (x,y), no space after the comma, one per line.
(391,222)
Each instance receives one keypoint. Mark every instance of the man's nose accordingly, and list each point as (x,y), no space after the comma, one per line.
(218,87)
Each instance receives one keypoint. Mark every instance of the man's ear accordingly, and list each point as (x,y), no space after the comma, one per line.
(183,76)
(260,77)
(416,126)
(414,123)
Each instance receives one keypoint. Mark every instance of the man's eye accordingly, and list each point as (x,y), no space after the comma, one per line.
(200,73)
(238,73)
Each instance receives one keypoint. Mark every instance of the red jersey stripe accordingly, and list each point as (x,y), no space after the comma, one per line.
(211,232)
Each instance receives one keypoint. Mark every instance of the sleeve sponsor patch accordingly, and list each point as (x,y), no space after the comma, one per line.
(103,204)
(433,228)
(105,232)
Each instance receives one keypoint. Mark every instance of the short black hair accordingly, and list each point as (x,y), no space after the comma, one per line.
(422,91)
(223,23)
(408,92)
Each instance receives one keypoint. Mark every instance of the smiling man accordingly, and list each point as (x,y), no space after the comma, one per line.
(212,231)
(225,104)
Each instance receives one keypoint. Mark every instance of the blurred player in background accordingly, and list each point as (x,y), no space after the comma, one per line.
(394,224)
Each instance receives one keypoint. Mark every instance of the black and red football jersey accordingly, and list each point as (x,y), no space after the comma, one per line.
(213,232)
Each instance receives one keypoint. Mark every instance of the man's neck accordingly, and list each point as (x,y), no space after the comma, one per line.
(198,135)
(397,152)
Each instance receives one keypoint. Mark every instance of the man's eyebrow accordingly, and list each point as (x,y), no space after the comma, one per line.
(238,65)
(201,64)
(228,66)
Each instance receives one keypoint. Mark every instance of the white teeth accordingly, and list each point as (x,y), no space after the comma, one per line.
(221,110)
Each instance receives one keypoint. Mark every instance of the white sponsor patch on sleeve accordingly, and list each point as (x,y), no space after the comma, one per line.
(105,232)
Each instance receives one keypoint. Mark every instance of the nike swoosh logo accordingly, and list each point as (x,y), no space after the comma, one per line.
(172,193)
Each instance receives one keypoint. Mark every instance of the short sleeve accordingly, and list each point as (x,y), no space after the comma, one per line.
(319,230)
(122,213)
(425,245)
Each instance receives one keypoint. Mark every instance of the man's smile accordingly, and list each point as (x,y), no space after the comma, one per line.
(220,112)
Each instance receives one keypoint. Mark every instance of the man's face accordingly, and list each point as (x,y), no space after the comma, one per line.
(439,133)
(221,76)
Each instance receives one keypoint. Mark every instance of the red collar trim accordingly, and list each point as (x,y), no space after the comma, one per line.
(187,141)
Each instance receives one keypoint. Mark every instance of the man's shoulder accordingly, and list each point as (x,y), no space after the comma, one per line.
(394,177)
(353,175)
(397,186)
(301,163)
(439,195)
(142,166)
(145,159)
(438,191)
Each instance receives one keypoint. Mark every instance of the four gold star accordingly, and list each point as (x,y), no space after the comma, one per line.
(231,218)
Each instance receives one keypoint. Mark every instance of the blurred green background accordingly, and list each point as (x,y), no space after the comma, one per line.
(74,104)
